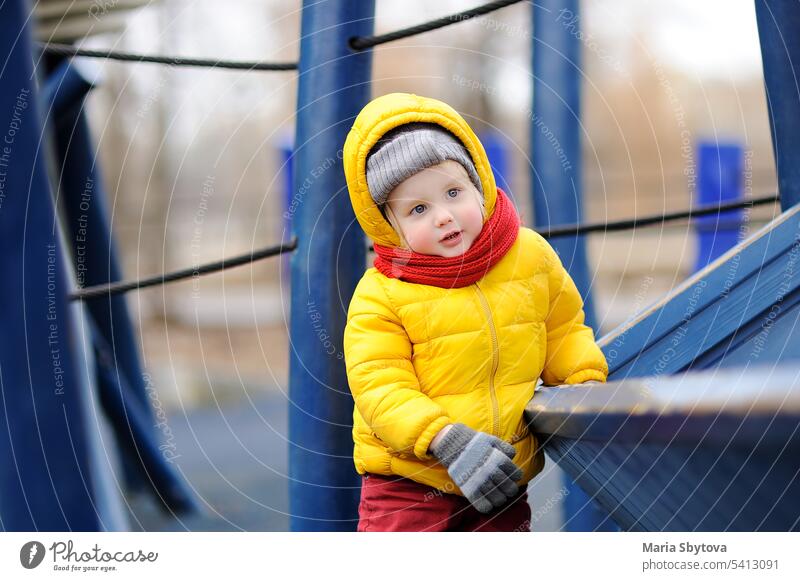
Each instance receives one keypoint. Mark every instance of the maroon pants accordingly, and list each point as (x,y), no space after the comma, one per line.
(391,503)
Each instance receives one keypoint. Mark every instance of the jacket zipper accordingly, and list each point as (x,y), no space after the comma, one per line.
(495,362)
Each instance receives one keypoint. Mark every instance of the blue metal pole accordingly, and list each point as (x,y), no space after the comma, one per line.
(556,173)
(778,26)
(44,474)
(88,224)
(496,149)
(720,181)
(287,159)
(334,84)
(64,88)
(119,375)
(133,424)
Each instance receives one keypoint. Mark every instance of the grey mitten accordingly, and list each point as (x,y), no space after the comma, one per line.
(480,465)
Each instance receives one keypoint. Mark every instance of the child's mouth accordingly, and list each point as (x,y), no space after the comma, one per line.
(452,239)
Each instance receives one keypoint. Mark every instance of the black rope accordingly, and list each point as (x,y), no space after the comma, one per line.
(554,232)
(362,42)
(72,51)
(115,288)
(576,229)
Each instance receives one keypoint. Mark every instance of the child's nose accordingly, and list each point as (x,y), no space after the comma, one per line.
(443,217)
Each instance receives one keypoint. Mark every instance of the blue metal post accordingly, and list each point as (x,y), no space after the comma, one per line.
(334,84)
(286,150)
(120,376)
(64,87)
(496,150)
(133,425)
(778,26)
(88,224)
(44,483)
(556,173)
(720,181)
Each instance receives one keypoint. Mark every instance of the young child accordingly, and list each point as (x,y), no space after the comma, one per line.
(448,334)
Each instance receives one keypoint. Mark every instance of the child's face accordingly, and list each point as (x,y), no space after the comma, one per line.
(438,210)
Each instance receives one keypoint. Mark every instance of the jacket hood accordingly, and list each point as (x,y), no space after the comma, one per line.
(380,116)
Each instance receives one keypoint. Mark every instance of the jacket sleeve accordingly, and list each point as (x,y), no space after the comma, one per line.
(381,376)
(572,354)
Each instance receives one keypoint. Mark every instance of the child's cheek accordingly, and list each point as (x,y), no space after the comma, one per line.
(412,237)
(416,235)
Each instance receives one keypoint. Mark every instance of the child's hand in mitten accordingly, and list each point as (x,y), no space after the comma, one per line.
(480,465)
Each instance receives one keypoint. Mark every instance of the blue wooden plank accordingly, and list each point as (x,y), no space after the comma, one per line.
(684,488)
(706,328)
(712,450)
(768,338)
(657,408)
(759,265)
(564,451)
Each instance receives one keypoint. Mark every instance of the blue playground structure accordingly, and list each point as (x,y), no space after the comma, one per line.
(697,428)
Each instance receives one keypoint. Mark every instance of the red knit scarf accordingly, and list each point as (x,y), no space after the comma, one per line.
(496,238)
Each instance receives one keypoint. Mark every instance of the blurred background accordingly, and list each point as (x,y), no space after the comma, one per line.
(194,162)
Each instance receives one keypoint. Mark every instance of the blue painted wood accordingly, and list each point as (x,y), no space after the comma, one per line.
(651,488)
(44,469)
(768,338)
(778,23)
(555,134)
(715,450)
(334,84)
(711,306)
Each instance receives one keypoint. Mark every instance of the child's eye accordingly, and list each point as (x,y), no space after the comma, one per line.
(452,193)
(418,209)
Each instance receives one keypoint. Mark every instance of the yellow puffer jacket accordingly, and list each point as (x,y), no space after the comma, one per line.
(420,357)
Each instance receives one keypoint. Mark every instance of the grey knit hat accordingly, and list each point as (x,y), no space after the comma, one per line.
(409,149)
